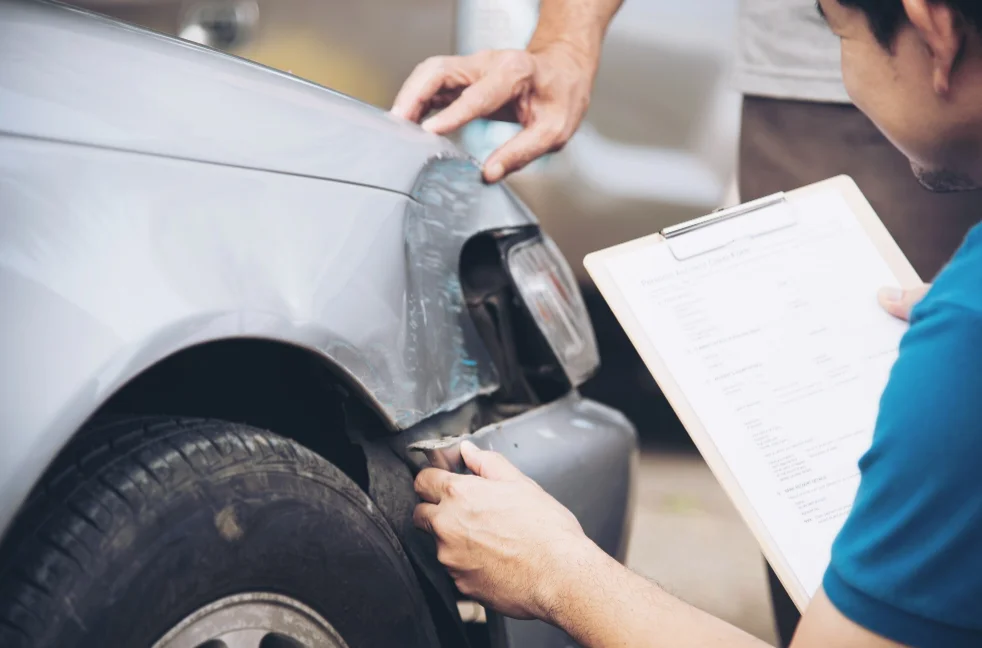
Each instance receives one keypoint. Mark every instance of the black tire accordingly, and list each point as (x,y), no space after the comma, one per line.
(159,517)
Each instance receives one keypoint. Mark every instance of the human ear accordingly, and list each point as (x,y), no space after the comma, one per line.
(938,26)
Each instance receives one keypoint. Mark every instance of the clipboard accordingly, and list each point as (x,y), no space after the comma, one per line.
(758,218)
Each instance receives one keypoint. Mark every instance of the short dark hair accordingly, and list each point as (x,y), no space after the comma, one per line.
(886,17)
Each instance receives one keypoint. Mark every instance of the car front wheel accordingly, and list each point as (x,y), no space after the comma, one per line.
(204,534)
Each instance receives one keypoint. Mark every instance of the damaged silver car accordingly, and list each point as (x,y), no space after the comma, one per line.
(231,299)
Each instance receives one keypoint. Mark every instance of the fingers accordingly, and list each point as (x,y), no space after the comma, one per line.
(489,465)
(493,83)
(533,142)
(507,80)
(423,516)
(433,484)
(479,100)
(900,303)
(426,81)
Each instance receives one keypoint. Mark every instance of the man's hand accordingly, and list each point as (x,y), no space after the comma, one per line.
(899,303)
(504,540)
(545,89)
(508,544)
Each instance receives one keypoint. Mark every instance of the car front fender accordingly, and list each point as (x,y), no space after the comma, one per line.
(111,261)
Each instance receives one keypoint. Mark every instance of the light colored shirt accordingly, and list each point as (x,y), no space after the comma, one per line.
(786,51)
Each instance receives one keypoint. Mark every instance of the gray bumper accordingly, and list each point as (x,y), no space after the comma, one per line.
(584,455)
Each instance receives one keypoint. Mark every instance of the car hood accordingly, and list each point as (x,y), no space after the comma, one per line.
(73,76)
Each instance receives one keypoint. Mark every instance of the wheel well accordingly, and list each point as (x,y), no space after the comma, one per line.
(285,389)
(269,385)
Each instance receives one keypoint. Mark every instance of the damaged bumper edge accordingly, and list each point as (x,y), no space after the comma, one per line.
(585,455)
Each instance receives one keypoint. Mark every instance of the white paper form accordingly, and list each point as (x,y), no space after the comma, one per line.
(779,346)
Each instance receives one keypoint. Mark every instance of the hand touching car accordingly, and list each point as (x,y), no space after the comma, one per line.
(545,89)
(509,544)
(504,539)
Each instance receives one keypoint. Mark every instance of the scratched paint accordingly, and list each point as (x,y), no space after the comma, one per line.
(445,356)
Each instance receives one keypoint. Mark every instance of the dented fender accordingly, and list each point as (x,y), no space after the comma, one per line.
(141,233)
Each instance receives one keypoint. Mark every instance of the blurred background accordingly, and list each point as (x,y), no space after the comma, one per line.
(658,147)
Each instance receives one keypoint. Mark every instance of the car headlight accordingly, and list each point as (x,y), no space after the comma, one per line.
(550,292)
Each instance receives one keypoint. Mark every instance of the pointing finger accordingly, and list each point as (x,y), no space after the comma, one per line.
(425,83)
(418,90)
(482,99)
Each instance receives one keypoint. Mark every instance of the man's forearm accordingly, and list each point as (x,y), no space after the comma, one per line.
(577,23)
(601,603)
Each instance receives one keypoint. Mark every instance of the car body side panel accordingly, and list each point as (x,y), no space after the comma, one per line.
(69,75)
(111,261)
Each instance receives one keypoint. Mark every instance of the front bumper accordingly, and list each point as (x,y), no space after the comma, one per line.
(584,454)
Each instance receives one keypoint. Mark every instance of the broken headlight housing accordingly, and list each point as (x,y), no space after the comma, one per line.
(550,292)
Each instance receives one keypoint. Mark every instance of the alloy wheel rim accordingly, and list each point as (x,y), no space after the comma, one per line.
(253,620)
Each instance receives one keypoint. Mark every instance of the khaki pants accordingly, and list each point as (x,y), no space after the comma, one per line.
(787,144)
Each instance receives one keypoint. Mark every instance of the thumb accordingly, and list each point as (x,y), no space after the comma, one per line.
(489,465)
(520,150)
(900,303)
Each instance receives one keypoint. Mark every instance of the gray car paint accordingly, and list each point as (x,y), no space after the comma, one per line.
(114,255)
(139,217)
(73,76)
(584,455)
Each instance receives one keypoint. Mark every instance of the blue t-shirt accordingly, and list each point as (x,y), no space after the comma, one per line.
(907,565)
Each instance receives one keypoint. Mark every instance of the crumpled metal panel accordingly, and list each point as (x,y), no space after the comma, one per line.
(447,361)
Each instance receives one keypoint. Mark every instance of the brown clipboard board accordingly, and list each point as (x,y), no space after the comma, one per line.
(596,265)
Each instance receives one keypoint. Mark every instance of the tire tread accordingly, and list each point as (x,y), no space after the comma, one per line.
(73,509)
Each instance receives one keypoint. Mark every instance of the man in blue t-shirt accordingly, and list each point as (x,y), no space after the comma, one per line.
(906,568)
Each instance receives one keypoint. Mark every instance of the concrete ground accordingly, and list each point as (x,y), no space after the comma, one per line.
(689,539)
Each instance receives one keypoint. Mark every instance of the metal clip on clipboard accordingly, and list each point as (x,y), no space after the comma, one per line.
(695,237)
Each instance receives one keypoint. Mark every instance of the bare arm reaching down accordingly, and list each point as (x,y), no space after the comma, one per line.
(545,88)
(508,543)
